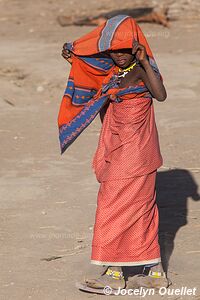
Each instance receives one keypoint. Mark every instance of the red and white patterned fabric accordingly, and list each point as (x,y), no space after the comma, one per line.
(126,224)
(125,164)
(128,143)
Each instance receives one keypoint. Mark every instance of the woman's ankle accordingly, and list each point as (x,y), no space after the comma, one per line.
(116,268)
(157,268)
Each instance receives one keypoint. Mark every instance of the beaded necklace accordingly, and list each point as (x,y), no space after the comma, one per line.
(124,72)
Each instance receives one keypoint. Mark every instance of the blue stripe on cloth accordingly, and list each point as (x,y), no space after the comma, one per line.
(133,90)
(79,95)
(108,32)
(82,96)
(98,62)
(69,132)
(69,88)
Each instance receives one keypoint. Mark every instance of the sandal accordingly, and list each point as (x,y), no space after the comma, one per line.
(107,283)
(150,280)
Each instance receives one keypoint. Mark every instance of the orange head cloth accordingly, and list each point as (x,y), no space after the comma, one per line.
(91,67)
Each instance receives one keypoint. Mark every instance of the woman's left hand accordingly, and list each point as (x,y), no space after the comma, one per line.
(140,52)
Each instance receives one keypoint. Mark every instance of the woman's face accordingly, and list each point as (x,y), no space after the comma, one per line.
(122,57)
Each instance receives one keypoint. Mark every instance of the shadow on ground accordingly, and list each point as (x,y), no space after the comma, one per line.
(174,189)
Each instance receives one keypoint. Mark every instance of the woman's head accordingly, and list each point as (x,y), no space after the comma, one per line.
(122,57)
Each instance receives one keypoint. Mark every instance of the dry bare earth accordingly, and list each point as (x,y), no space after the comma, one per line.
(48,202)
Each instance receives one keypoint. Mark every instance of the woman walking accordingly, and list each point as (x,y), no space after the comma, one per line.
(114,73)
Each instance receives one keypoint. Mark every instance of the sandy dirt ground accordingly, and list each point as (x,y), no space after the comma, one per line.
(48,201)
